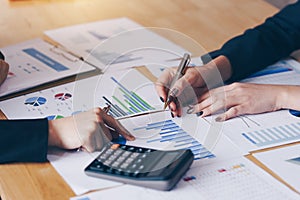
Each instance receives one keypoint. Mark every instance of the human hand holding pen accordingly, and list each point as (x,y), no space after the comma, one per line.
(188,89)
(88,130)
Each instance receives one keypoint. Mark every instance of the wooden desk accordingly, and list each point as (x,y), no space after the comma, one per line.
(210,23)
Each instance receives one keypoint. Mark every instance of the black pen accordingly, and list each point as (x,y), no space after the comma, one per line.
(180,72)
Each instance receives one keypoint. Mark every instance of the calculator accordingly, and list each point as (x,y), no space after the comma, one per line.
(141,166)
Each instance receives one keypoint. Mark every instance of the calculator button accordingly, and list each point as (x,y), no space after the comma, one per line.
(99,168)
(133,166)
(136,173)
(134,155)
(118,152)
(124,165)
(141,167)
(139,161)
(109,151)
(131,149)
(115,164)
(107,162)
(126,153)
(140,150)
(121,158)
(129,160)
(144,155)
(148,150)
(112,157)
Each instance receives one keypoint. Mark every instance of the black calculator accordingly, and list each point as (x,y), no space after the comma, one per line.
(141,166)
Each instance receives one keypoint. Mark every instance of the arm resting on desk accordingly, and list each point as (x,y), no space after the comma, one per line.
(23,140)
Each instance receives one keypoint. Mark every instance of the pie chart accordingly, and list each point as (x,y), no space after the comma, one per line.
(63,96)
(35,101)
(53,117)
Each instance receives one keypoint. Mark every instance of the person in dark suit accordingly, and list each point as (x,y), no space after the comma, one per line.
(28,140)
(239,57)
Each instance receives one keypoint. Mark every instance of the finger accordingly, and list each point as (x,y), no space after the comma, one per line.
(114,134)
(176,110)
(231,113)
(115,124)
(162,91)
(187,80)
(204,104)
(163,83)
(97,140)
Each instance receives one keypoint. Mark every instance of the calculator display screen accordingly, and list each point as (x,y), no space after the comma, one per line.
(168,159)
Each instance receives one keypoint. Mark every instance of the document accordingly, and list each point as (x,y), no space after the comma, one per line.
(284,72)
(253,132)
(70,165)
(236,178)
(284,162)
(128,93)
(36,62)
(116,43)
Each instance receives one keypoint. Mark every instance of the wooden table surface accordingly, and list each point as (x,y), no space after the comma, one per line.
(210,23)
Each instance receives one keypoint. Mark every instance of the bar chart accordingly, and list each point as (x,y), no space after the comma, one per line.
(273,135)
(167,131)
(125,102)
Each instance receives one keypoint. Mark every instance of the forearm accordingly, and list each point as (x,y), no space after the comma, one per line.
(263,45)
(23,140)
(288,97)
(216,72)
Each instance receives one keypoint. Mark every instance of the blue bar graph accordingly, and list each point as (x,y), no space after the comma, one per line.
(169,131)
(274,135)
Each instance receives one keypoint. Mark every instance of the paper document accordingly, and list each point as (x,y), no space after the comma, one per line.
(284,162)
(116,43)
(70,165)
(128,92)
(253,132)
(284,72)
(232,179)
(36,62)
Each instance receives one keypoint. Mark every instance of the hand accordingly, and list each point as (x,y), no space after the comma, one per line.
(195,82)
(88,130)
(3,70)
(247,98)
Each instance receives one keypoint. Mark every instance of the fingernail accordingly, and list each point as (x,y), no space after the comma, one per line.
(171,109)
(174,92)
(199,113)
(219,119)
(178,115)
(162,99)
(190,110)
(172,115)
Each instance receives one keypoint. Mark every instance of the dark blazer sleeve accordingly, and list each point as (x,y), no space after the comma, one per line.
(23,140)
(263,45)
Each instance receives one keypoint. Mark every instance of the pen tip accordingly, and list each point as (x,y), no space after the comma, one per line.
(165,105)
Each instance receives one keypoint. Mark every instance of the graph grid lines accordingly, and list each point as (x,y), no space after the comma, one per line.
(268,136)
(169,131)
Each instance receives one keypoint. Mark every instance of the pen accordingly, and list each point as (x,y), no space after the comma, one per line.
(180,72)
